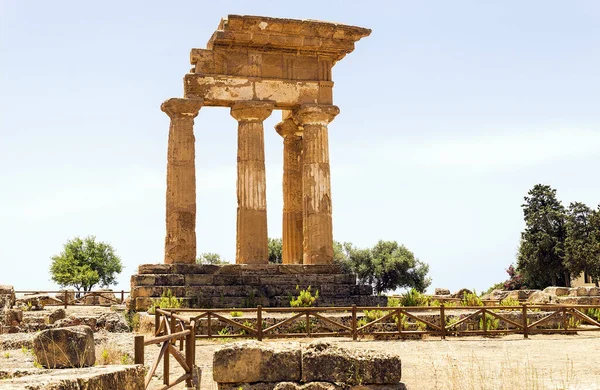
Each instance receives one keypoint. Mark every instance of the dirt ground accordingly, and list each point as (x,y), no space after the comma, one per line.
(507,362)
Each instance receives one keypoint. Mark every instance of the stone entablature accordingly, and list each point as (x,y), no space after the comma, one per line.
(254,65)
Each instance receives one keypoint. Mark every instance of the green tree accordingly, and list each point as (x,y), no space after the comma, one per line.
(582,252)
(387,266)
(275,250)
(83,263)
(210,258)
(541,251)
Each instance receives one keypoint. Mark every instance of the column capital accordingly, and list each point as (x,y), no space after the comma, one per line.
(287,127)
(251,111)
(315,114)
(177,107)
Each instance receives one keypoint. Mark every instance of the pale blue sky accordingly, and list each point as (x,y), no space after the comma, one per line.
(450,112)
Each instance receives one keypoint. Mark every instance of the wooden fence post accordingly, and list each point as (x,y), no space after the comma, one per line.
(484,322)
(139,350)
(209,325)
(189,355)
(259,323)
(156,321)
(354,325)
(443,320)
(564,315)
(66,299)
(525,325)
(122,296)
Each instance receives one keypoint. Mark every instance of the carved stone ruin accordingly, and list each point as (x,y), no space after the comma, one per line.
(255,65)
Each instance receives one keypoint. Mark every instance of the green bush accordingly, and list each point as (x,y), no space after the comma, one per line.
(305,298)
(167,300)
(510,302)
(394,302)
(491,322)
(372,315)
(471,299)
(235,313)
(414,298)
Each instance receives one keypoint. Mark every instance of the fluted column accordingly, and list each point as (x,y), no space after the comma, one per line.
(251,235)
(292,191)
(180,241)
(316,183)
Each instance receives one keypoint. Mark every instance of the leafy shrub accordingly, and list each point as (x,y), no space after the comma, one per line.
(510,302)
(491,322)
(593,313)
(394,302)
(372,315)
(414,298)
(236,313)
(305,298)
(167,300)
(471,299)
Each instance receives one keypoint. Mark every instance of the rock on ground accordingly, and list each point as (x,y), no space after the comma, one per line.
(323,362)
(7,296)
(93,378)
(65,347)
(254,361)
(112,322)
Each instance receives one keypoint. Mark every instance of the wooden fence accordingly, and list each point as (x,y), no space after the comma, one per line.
(182,325)
(170,328)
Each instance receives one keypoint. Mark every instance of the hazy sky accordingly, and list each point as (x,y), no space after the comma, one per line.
(450,113)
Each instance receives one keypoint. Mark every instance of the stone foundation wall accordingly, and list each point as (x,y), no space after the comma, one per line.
(247,285)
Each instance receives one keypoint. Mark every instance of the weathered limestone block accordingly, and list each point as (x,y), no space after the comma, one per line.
(74,320)
(32,302)
(558,291)
(12,317)
(154,269)
(254,361)
(112,377)
(57,315)
(540,297)
(7,296)
(442,291)
(579,292)
(322,362)
(112,322)
(460,293)
(65,347)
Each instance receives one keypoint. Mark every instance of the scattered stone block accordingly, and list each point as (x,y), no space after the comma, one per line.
(65,347)
(112,322)
(558,291)
(442,291)
(460,293)
(73,320)
(12,317)
(255,361)
(56,315)
(540,297)
(579,292)
(323,362)
(114,377)
(7,296)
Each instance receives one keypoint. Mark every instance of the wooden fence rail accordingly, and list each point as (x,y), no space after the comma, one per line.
(418,320)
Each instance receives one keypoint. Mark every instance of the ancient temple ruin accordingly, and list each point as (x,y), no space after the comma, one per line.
(255,65)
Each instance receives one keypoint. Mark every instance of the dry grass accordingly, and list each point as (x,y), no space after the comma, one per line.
(107,354)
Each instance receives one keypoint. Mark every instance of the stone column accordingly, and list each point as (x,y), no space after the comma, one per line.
(316,183)
(180,241)
(251,236)
(292,191)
